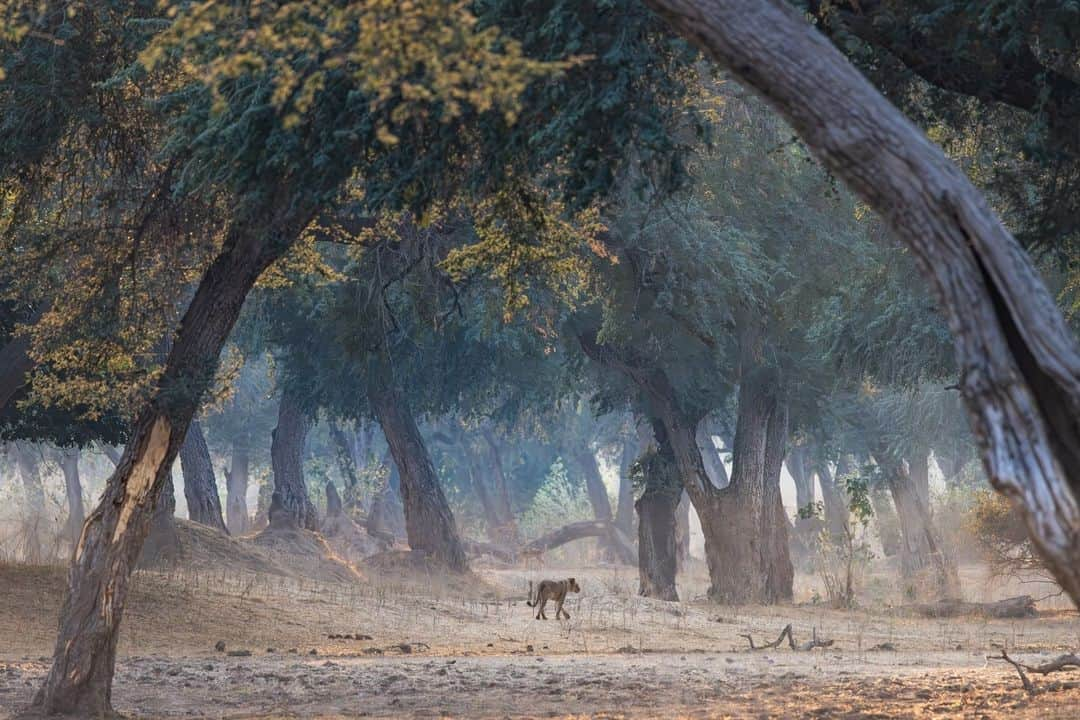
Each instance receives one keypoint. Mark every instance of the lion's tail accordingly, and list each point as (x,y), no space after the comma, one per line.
(530,602)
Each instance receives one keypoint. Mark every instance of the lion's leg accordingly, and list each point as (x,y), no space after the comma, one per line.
(543,604)
(563,610)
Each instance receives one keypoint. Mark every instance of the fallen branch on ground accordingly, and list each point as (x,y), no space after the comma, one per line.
(787,632)
(1014,607)
(1061,663)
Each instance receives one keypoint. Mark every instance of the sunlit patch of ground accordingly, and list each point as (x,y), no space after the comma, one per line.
(429,648)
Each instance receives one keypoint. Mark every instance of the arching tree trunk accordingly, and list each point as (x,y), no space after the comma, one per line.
(428,520)
(594,484)
(69,466)
(775,551)
(79,681)
(287,461)
(200,486)
(1019,362)
(656,508)
(236,487)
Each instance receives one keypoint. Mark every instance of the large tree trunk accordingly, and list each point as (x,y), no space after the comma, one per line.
(775,551)
(200,486)
(80,678)
(287,461)
(236,487)
(69,466)
(429,523)
(657,551)
(1019,362)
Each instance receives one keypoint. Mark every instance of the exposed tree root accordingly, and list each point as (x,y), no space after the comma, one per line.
(786,632)
(1062,663)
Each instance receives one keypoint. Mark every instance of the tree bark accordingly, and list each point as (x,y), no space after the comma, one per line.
(69,466)
(236,487)
(429,523)
(656,508)
(79,681)
(200,486)
(624,509)
(1019,363)
(776,562)
(833,497)
(162,545)
(594,484)
(287,461)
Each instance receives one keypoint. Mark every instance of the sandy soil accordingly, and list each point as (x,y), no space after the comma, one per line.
(428,649)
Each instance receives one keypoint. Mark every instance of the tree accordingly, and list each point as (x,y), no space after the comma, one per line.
(1019,364)
(200,487)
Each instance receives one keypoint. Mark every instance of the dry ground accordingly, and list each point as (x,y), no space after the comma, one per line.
(472,650)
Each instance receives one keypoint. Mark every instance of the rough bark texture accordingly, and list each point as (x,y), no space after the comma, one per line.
(775,549)
(287,461)
(656,508)
(80,679)
(236,487)
(200,486)
(429,523)
(1019,363)
(69,466)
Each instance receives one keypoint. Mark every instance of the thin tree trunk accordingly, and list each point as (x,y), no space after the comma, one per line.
(919,469)
(682,531)
(429,523)
(236,487)
(594,484)
(1019,362)
(200,486)
(507,532)
(30,475)
(69,466)
(80,679)
(888,523)
(833,497)
(775,550)
(656,508)
(387,516)
(624,509)
(287,461)
(347,461)
(714,464)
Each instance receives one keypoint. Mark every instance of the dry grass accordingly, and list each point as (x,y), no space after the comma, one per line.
(476,652)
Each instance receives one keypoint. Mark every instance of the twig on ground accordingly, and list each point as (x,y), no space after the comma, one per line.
(787,632)
(1062,663)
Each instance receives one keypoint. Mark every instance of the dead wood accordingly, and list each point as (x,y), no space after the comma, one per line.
(475,548)
(1061,663)
(1015,607)
(586,528)
(787,632)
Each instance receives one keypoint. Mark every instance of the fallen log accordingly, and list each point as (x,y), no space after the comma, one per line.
(1016,607)
(585,529)
(476,548)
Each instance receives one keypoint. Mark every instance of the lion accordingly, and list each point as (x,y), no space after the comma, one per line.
(551,590)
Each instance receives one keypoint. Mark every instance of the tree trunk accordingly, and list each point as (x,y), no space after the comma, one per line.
(656,508)
(624,510)
(30,475)
(69,466)
(200,486)
(921,549)
(888,524)
(348,462)
(162,546)
(429,523)
(775,552)
(594,484)
(714,464)
(1019,362)
(800,467)
(236,487)
(287,461)
(682,531)
(833,497)
(919,469)
(499,491)
(387,517)
(79,681)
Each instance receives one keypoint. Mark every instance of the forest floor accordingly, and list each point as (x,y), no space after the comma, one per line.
(470,649)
